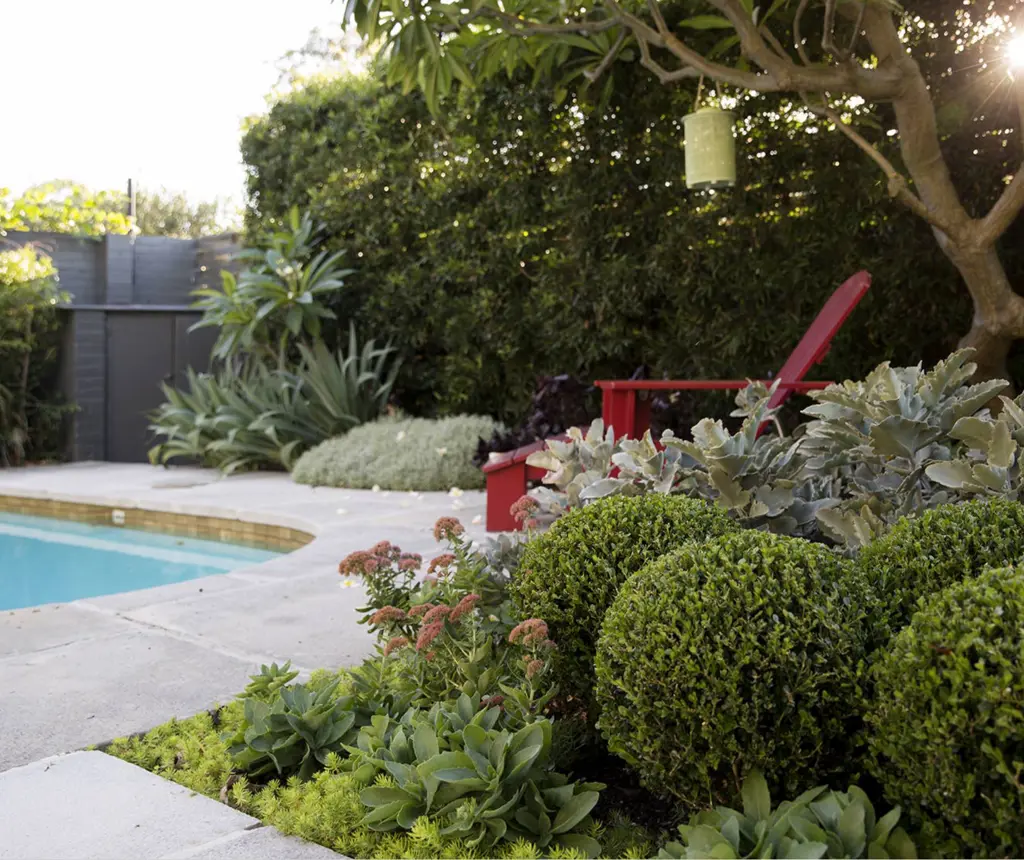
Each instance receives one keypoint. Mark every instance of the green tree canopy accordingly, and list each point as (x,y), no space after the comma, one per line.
(63,206)
(509,237)
(919,73)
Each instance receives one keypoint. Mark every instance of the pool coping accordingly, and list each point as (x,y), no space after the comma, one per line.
(287,534)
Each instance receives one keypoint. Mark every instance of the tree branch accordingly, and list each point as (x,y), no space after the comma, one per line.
(853,78)
(1004,211)
(663,74)
(520,27)
(798,39)
(898,187)
(609,58)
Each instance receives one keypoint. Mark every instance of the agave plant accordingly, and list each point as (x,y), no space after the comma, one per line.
(293,733)
(266,418)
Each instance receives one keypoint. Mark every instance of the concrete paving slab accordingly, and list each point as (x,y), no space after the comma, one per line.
(204,585)
(89,805)
(264,843)
(310,621)
(25,630)
(91,691)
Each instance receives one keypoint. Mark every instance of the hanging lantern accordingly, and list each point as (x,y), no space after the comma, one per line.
(710,149)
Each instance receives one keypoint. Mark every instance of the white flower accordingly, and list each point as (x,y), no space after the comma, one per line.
(348,583)
(479,518)
(455,492)
(441,451)
(400,436)
(375,488)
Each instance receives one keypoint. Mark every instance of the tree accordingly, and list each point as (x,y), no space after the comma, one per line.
(849,62)
(163,213)
(63,206)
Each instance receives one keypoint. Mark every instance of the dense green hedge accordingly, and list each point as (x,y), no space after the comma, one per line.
(741,652)
(922,555)
(570,575)
(946,727)
(523,239)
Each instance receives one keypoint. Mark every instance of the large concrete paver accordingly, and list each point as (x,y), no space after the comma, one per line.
(310,621)
(264,843)
(91,805)
(68,697)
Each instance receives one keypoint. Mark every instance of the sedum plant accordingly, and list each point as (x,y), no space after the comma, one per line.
(267,684)
(819,823)
(293,733)
(484,783)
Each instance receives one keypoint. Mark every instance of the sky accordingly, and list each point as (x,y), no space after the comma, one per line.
(155,90)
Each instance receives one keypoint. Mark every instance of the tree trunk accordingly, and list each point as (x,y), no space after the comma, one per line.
(998,309)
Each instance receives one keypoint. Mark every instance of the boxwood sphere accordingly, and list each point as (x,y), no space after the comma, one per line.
(925,554)
(745,651)
(569,575)
(946,722)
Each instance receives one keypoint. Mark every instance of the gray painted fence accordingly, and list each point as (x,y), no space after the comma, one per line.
(126,330)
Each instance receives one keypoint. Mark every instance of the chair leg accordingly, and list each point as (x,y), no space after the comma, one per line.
(627,412)
(504,487)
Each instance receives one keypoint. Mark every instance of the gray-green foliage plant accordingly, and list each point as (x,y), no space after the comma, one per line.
(819,823)
(885,437)
(400,453)
(900,441)
(455,763)
(265,417)
(279,299)
(945,723)
(743,651)
(291,732)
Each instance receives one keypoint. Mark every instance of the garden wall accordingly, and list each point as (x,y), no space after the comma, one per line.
(126,330)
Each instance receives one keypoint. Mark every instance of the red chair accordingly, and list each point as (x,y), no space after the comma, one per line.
(626,403)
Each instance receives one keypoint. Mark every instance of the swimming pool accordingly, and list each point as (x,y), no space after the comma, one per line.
(55,561)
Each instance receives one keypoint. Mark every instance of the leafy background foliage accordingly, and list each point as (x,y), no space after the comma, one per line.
(512,238)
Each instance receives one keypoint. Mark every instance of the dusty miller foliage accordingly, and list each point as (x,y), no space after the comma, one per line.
(900,441)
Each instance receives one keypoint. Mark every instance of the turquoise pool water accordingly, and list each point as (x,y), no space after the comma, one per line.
(54,561)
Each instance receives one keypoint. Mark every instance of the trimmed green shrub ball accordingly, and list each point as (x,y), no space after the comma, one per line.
(944,545)
(946,722)
(742,652)
(400,454)
(569,575)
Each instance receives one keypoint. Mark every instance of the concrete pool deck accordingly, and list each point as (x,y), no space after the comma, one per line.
(85,672)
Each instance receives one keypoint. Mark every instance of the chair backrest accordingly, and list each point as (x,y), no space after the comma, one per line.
(816,340)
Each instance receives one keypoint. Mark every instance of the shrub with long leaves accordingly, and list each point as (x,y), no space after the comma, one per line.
(266,417)
(277,299)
